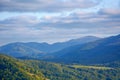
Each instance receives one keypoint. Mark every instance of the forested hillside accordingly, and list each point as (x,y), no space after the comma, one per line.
(13,69)
(55,71)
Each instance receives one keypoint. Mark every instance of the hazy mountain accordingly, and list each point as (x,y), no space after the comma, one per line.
(19,50)
(100,51)
(35,49)
(59,46)
(48,48)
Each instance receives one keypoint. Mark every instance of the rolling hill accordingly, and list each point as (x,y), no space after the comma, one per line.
(19,50)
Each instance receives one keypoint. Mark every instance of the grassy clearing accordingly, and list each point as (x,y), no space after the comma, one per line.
(90,67)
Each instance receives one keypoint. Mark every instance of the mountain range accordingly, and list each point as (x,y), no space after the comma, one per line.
(35,49)
(96,52)
(86,50)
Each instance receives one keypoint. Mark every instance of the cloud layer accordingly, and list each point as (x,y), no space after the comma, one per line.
(57,28)
(45,5)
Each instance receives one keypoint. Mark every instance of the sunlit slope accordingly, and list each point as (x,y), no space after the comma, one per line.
(13,69)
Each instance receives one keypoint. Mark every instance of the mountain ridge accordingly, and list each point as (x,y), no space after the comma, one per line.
(99,51)
(19,49)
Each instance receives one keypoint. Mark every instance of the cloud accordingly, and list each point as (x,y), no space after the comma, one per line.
(45,5)
(105,17)
(60,28)
(18,22)
(110,11)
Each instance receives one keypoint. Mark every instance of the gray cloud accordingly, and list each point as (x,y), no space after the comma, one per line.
(103,18)
(110,11)
(58,28)
(45,5)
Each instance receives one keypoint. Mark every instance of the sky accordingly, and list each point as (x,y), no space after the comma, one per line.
(57,20)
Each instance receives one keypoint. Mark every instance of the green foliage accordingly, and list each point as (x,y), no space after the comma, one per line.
(12,69)
(55,71)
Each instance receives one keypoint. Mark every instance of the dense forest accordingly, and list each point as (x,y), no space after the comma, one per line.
(16,69)
(13,69)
